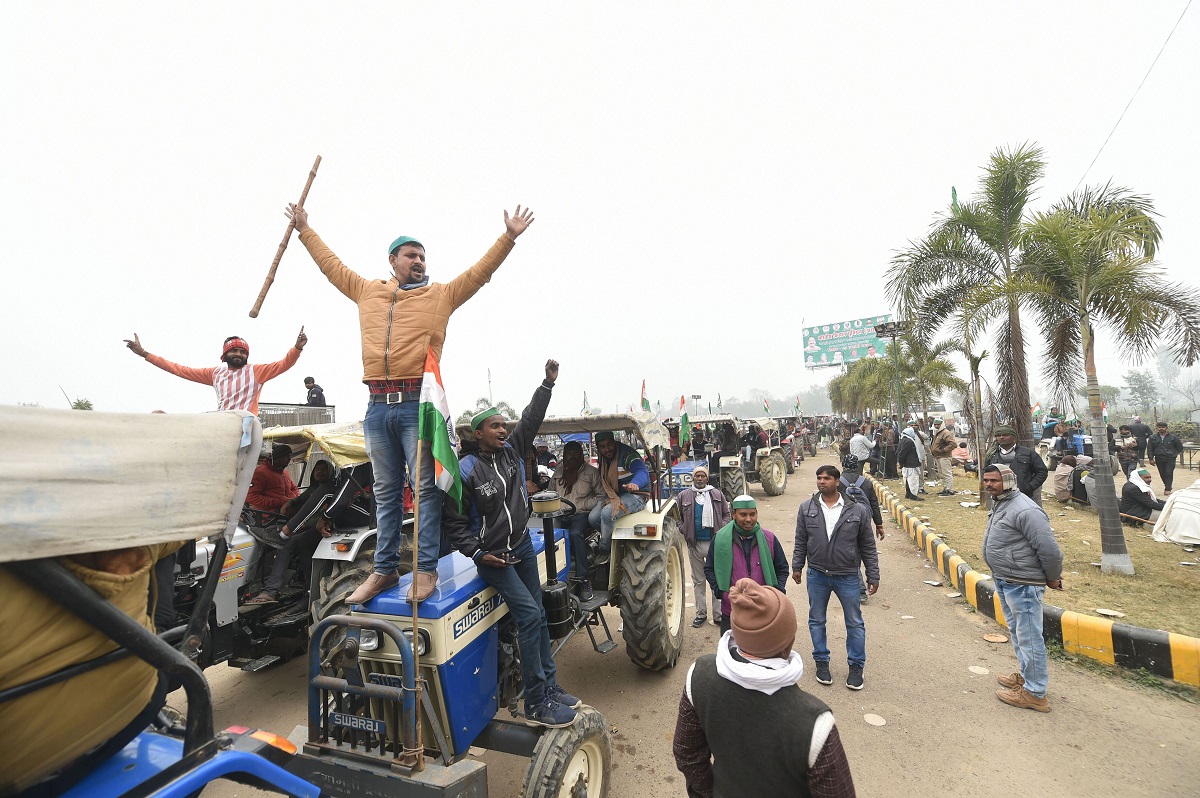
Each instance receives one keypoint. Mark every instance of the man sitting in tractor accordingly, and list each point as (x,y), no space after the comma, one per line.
(491,529)
(623,478)
(740,549)
(271,486)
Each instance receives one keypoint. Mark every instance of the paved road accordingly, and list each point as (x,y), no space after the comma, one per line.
(945,729)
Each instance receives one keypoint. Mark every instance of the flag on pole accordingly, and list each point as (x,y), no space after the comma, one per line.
(587,410)
(1036,409)
(645,401)
(798,413)
(710,408)
(685,427)
(433,429)
(954,199)
(719,405)
(766,407)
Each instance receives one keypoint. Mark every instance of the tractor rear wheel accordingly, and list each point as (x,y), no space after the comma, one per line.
(772,473)
(733,482)
(789,458)
(571,761)
(652,577)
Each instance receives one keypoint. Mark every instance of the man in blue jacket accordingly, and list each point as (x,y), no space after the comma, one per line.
(1025,559)
(624,478)
(491,530)
(833,537)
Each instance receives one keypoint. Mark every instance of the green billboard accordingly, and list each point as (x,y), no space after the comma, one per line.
(843,342)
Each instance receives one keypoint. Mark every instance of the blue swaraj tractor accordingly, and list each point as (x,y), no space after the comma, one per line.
(371,731)
(80,493)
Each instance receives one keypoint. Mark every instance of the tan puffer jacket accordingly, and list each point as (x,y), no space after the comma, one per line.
(397,325)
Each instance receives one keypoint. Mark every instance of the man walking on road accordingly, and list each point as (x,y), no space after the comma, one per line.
(908,453)
(1164,450)
(1025,559)
(942,445)
(790,746)
(833,538)
(743,549)
(237,383)
(703,509)
(399,319)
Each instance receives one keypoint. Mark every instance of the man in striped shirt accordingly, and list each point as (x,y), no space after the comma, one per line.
(237,383)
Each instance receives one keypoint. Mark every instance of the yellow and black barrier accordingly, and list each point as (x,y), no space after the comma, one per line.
(1165,654)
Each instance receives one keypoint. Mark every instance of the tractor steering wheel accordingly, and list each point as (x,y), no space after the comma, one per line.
(569,504)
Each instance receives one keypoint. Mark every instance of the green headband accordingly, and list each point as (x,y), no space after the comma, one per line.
(479,418)
(745,502)
(401,241)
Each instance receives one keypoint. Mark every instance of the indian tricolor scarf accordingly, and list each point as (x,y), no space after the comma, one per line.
(434,413)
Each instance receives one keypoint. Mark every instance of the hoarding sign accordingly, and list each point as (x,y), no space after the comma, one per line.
(843,342)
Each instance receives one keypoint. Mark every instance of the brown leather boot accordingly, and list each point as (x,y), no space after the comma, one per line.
(375,584)
(422,586)
(1011,681)
(1022,698)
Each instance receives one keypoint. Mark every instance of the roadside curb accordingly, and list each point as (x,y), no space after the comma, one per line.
(1166,654)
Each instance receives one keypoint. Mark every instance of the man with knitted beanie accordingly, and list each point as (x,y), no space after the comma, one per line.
(792,747)
(742,548)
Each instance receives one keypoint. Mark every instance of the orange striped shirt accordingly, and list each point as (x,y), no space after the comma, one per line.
(237,389)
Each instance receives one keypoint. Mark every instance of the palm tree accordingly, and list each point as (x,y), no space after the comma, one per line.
(866,385)
(1091,261)
(977,245)
(483,403)
(925,370)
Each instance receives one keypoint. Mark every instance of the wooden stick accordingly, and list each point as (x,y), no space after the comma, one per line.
(283,244)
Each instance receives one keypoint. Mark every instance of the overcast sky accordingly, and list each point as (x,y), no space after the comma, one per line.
(705,176)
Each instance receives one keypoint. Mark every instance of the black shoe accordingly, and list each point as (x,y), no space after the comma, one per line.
(602,557)
(823,674)
(855,679)
(699,621)
(921,490)
(948,493)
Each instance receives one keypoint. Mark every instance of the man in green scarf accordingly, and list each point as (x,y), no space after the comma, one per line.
(743,549)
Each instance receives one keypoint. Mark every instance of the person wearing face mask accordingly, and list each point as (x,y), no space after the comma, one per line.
(237,383)
(1027,464)
(400,318)
(703,509)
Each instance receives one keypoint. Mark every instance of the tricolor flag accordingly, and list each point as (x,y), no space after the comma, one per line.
(587,410)
(766,407)
(798,413)
(1037,408)
(645,401)
(434,414)
(685,427)
(719,405)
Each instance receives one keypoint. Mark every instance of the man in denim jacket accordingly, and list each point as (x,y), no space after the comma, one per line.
(1025,559)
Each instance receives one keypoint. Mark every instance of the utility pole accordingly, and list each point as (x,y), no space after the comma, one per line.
(892,330)
(696,404)
(490,402)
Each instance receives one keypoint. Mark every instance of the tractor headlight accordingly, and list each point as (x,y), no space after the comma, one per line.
(368,640)
(422,641)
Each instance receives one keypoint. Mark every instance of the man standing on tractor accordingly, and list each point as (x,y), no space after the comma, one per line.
(237,383)
(623,478)
(399,319)
(703,509)
(491,529)
(743,549)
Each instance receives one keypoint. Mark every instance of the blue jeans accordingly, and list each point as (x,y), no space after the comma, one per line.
(521,587)
(601,516)
(391,436)
(578,526)
(820,587)
(1022,607)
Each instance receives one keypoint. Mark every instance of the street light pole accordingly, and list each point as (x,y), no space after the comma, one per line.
(892,330)
(696,403)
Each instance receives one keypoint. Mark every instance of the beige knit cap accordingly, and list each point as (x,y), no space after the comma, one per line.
(762,619)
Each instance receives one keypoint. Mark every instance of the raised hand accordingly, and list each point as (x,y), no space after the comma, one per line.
(301,339)
(514,225)
(297,215)
(551,370)
(135,346)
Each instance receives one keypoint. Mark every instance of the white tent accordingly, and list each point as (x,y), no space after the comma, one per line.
(1180,518)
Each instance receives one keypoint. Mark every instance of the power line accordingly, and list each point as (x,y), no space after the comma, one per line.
(1135,93)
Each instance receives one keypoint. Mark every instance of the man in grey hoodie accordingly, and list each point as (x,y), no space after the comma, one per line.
(1025,559)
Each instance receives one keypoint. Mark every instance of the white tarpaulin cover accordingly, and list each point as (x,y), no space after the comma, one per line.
(74,481)
(1180,518)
